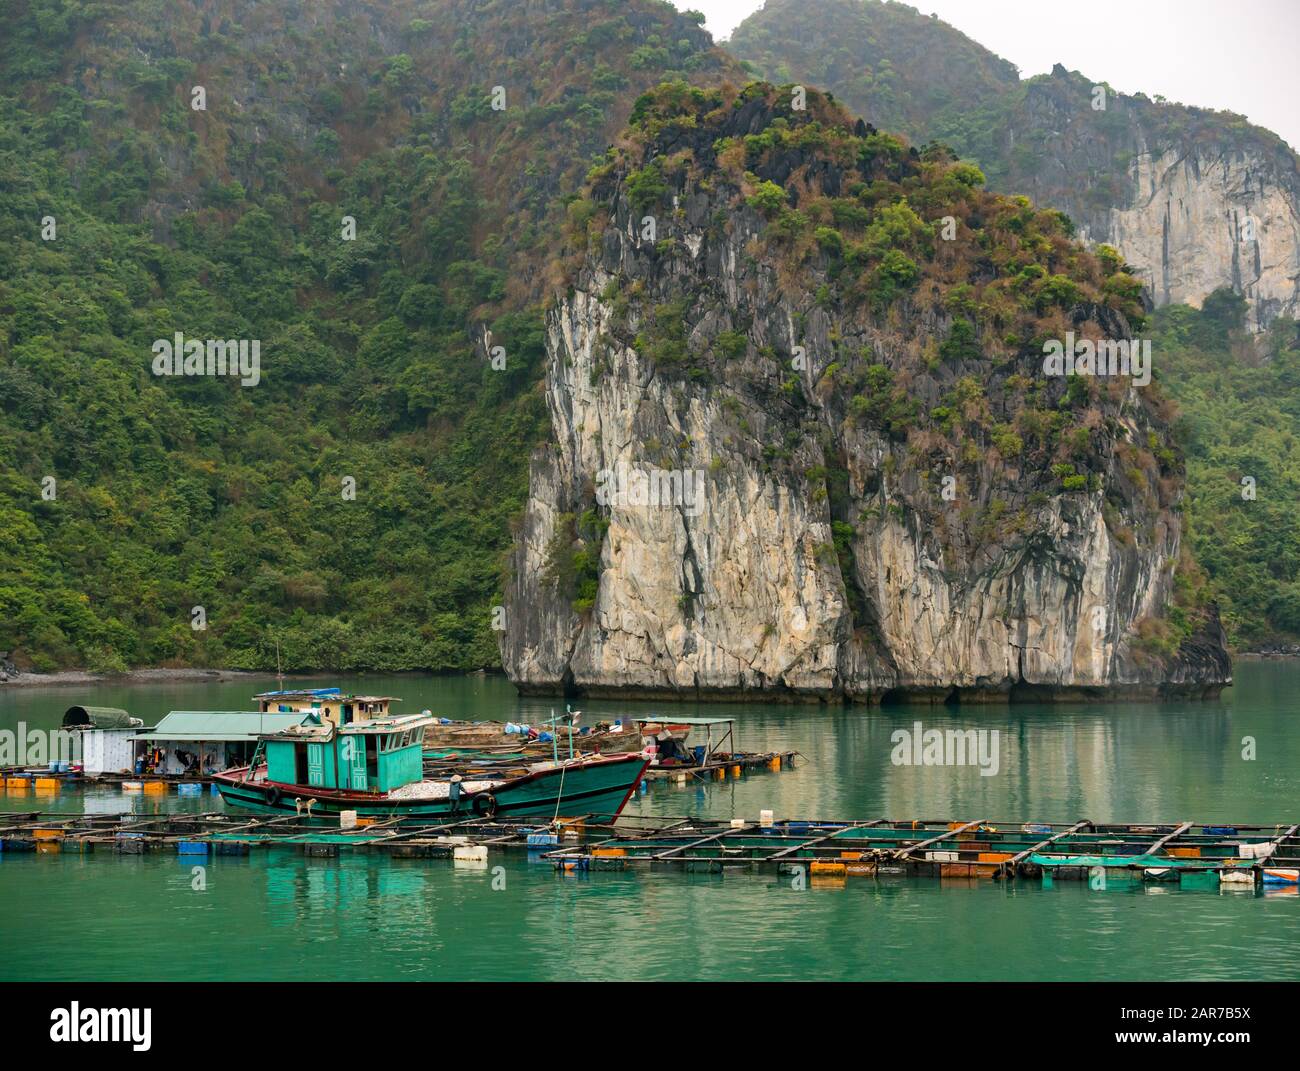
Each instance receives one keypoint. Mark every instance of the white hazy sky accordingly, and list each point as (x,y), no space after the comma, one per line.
(1238,55)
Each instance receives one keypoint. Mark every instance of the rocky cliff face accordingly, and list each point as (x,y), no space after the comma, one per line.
(798,460)
(1193,200)
(1195,222)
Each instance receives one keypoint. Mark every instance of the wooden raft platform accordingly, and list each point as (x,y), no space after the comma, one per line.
(1189,853)
(1193,855)
(720,769)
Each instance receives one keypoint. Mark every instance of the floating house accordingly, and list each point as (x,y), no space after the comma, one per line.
(201,742)
(184,741)
(105,736)
(215,740)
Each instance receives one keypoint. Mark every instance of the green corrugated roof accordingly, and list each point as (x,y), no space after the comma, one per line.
(219,725)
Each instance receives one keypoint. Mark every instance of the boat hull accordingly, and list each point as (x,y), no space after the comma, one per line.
(597,787)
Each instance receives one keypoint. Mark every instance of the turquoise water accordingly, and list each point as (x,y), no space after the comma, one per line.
(277,915)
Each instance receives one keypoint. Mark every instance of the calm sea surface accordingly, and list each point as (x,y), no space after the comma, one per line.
(277,915)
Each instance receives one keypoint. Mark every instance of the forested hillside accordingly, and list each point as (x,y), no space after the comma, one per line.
(376,362)
(1239,427)
(377,193)
(899,69)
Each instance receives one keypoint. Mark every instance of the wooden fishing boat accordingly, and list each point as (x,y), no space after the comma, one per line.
(671,758)
(376,768)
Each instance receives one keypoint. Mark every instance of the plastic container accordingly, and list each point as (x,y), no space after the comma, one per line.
(466,853)
(1243,876)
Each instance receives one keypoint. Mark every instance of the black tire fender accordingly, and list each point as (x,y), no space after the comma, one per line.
(484,805)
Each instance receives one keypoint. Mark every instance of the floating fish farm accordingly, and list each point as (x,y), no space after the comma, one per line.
(1188,854)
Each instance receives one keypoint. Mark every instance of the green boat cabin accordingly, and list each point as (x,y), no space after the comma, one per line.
(372,756)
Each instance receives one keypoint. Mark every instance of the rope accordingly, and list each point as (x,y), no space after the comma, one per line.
(559,796)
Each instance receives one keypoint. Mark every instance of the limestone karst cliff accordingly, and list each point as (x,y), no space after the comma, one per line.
(1193,200)
(803,444)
